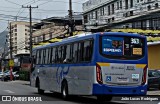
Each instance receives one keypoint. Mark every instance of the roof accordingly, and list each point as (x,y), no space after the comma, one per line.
(85,36)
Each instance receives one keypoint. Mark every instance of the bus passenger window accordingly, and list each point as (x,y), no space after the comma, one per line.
(53,55)
(68,58)
(63,53)
(59,59)
(37,57)
(75,48)
(80,51)
(88,50)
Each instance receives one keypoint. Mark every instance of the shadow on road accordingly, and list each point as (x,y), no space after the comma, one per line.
(76,99)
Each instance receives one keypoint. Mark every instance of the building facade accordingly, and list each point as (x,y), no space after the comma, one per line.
(54,27)
(19,34)
(104,12)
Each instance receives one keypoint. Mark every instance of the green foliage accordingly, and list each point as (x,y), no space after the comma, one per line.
(24,75)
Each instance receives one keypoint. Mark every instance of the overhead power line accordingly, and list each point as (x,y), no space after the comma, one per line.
(13,2)
(19,17)
(60,1)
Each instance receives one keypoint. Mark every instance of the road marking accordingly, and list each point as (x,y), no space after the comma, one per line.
(8,91)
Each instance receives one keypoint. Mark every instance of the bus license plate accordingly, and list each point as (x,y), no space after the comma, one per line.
(122,79)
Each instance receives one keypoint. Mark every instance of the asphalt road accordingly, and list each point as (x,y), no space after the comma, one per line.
(22,89)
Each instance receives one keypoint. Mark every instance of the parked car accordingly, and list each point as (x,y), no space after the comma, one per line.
(2,74)
(153,79)
(15,76)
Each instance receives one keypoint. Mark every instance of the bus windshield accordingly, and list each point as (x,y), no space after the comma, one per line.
(122,47)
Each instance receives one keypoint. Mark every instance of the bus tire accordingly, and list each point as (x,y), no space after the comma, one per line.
(64,90)
(104,98)
(40,91)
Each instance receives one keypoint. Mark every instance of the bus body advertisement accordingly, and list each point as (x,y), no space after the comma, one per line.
(108,63)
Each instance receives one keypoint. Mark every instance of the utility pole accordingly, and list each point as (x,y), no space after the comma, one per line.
(70,18)
(11,58)
(30,15)
(10,34)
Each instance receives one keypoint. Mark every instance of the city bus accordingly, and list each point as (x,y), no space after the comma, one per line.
(100,64)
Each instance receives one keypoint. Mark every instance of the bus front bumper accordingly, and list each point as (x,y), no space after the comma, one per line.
(99,89)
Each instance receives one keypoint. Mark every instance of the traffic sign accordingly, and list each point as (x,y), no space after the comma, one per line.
(11,62)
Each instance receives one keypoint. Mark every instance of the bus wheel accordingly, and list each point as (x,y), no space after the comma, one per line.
(64,90)
(40,91)
(104,98)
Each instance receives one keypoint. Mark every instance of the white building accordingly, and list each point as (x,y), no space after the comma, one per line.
(103,12)
(19,37)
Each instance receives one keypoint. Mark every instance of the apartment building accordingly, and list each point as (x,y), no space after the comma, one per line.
(105,12)
(19,37)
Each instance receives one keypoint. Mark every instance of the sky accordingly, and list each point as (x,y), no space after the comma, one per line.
(46,8)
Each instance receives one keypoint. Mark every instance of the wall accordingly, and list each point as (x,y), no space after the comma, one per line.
(154,56)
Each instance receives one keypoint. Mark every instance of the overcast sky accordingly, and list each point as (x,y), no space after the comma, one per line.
(46,9)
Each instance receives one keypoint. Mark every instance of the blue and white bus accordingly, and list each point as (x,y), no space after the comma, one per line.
(99,64)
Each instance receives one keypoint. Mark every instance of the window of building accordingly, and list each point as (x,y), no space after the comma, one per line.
(120,4)
(109,11)
(117,5)
(126,4)
(15,30)
(112,8)
(156,5)
(131,3)
(15,34)
(96,15)
(88,16)
(149,7)
(85,19)
(102,11)
(91,15)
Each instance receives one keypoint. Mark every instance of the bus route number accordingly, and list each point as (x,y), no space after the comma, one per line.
(135,41)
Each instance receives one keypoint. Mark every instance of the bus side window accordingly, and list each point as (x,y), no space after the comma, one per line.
(53,55)
(59,58)
(44,56)
(37,57)
(56,55)
(88,50)
(85,55)
(80,51)
(41,56)
(49,55)
(75,48)
(63,54)
(68,54)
